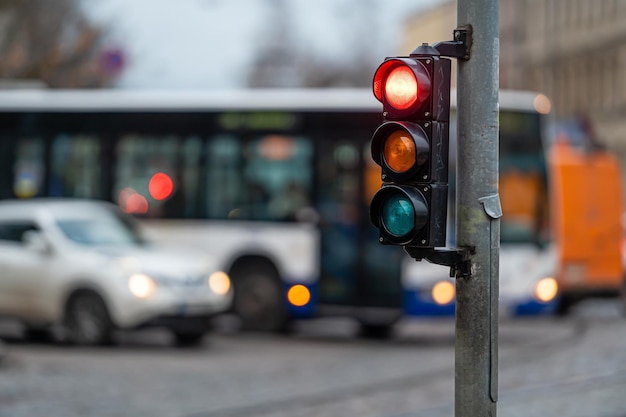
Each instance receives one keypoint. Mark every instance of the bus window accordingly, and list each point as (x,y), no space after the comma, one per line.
(524,203)
(523,179)
(380,283)
(268,179)
(223,177)
(371,177)
(339,184)
(338,203)
(140,158)
(281,167)
(190,177)
(75,167)
(29,168)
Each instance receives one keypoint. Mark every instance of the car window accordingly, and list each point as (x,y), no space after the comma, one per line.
(14,231)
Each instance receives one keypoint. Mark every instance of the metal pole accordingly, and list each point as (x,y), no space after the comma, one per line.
(478,213)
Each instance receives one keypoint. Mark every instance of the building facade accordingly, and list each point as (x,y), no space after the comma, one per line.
(574,51)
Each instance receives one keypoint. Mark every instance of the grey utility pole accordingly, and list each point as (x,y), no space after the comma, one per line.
(478,213)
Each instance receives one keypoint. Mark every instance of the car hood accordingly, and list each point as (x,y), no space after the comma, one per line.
(158,260)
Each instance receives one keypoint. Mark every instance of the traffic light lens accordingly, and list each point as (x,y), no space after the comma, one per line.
(398,215)
(399,152)
(401,88)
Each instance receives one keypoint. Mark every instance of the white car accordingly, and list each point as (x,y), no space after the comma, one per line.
(82,267)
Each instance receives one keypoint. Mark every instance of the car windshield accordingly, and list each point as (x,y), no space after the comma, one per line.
(100,231)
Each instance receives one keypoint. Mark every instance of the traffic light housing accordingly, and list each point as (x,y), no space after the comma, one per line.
(411,146)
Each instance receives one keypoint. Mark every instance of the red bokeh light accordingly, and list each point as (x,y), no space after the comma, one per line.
(137,204)
(131,202)
(161,186)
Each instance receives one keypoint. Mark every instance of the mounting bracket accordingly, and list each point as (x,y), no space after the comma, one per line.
(460,47)
(456,259)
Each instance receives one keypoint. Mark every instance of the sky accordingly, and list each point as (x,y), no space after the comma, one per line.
(208,44)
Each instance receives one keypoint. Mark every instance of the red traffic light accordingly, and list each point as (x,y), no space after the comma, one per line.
(403,85)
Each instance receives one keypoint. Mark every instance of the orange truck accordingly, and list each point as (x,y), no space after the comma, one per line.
(586,196)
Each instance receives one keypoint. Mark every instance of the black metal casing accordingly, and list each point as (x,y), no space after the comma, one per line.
(426,184)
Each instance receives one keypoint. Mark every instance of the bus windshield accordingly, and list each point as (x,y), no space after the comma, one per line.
(523,182)
(261,177)
(523,179)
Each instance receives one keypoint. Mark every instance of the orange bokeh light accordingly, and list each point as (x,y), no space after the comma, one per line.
(299,295)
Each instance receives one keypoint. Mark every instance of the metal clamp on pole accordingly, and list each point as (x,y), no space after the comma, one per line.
(460,47)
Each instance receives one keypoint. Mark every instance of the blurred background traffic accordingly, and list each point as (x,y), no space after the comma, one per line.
(228,144)
(246,114)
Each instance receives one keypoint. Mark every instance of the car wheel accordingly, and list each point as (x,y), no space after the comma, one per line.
(258,300)
(87,320)
(189,338)
(36,334)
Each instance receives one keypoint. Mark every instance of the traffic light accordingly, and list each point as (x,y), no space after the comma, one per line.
(411,146)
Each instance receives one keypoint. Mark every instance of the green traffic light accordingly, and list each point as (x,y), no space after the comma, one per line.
(398,215)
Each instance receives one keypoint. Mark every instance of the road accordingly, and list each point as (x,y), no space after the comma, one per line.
(574,366)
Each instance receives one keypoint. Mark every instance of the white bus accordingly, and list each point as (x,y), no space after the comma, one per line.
(275,183)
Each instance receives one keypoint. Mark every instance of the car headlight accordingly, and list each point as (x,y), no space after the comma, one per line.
(443,292)
(141,285)
(219,282)
(546,289)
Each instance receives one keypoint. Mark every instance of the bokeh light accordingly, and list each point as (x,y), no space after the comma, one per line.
(161,186)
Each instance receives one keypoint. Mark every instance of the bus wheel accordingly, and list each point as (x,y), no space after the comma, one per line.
(565,305)
(376,331)
(258,299)
(378,324)
(623,298)
(87,320)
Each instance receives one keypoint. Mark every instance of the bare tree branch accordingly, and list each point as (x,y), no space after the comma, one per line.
(52,42)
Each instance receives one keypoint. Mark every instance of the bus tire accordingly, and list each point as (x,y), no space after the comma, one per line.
(565,305)
(622,296)
(258,298)
(376,331)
